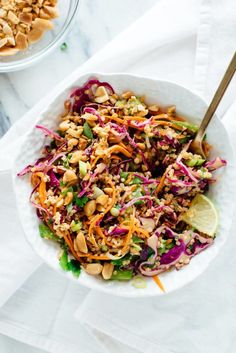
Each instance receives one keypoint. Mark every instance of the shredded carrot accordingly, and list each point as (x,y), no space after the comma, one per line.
(128,148)
(95,161)
(159,283)
(118,120)
(119,149)
(129,235)
(128,180)
(161,184)
(141,231)
(135,117)
(42,186)
(69,242)
(90,232)
(42,192)
(169,241)
(115,157)
(100,232)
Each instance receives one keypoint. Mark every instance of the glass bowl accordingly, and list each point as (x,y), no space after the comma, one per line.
(47,43)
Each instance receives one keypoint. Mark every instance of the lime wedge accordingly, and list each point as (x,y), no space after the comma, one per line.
(202,215)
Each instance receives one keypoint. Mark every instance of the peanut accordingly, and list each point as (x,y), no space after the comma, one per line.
(108,191)
(93,269)
(102,199)
(76,157)
(107,270)
(75,132)
(64,125)
(101,95)
(69,177)
(80,243)
(90,208)
(68,198)
(100,208)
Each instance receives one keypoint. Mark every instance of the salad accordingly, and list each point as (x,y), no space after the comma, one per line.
(114,182)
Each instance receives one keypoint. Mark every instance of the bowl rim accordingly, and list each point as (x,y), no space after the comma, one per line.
(94,285)
(31,60)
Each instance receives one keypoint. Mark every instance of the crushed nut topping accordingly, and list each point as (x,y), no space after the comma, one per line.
(23,22)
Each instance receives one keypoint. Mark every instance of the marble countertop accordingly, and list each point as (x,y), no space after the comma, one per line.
(97,22)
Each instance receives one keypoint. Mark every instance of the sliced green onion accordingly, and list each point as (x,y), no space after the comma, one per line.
(139,282)
(195,162)
(87,131)
(83,168)
(76,226)
(188,126)
(124,175)
(137,240)
(114,212)
(63,46)
(119,275)
(136,180)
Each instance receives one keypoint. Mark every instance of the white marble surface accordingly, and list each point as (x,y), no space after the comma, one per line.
(97,22)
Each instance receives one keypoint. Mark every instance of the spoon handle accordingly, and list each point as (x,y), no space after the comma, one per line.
(217,98)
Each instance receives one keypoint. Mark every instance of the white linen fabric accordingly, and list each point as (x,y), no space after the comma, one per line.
(180,41)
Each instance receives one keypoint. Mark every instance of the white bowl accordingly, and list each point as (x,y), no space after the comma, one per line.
(164,93)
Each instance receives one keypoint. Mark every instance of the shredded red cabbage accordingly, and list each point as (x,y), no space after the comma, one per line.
(94,112)
(53,179)
(173,255)
(215,164)
(50,133)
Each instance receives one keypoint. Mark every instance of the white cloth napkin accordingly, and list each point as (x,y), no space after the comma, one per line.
(161,44)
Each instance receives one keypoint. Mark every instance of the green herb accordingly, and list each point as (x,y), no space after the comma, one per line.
(137,240)
(63,261)
(195,162)
(74,267)
(64,192)
(46,233)
(63,46)
(188,126)
(81,201)
(69,265)
(184,140)
(136,180)
(87,131)
(137,193)
(124,175)
(119,275)
(62,184)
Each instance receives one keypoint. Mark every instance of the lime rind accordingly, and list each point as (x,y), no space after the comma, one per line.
(202,215)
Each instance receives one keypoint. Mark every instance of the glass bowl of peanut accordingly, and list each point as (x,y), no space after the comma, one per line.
(30,29)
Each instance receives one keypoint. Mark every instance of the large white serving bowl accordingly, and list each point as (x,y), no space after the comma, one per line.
(161,92)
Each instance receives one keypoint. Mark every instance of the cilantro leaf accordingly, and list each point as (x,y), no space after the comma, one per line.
(81,201)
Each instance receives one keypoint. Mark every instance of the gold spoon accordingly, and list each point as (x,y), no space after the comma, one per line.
(196,145)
